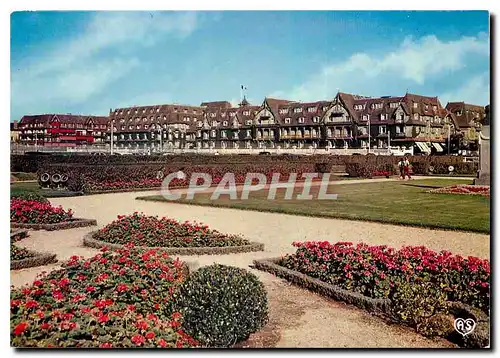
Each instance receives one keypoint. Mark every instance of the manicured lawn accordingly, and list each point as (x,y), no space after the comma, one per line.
(405,203)
(20,187)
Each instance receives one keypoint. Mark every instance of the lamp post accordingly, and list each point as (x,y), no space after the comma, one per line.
(369,135)
(112,136)
(449,143)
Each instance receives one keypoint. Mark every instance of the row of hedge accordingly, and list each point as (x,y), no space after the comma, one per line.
(32,163)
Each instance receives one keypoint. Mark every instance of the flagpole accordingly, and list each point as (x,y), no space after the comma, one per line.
(241,94)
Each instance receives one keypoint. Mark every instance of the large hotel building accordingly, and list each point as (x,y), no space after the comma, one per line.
(344,122)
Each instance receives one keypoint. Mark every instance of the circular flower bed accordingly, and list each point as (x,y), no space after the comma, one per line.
(36,212)
(482,190)
(22,258)
(177,237)
(115,299)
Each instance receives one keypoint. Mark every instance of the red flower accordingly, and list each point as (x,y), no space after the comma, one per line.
(45,325)
(106,345)
(104,318)
(122,287)
(90,289)
(162,343)
(138,339)
(20,328)
(150,335)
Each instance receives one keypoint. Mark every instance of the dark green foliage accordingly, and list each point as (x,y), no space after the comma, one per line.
(29,195)
(222,305)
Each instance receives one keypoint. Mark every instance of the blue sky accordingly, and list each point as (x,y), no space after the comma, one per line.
(89,62)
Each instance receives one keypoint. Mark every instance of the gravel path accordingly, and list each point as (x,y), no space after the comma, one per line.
(298,318)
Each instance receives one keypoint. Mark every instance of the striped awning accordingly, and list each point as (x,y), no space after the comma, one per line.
(438,147)
(423,147)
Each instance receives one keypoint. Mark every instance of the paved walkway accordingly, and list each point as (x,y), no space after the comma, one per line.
(298,318)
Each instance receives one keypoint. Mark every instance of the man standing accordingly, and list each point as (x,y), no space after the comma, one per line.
(401,165)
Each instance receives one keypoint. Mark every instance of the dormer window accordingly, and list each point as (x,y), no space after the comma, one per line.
(434,108)
(383,117)
(287,120)
(394,105)
(144,110)
(232,114)
(224,123)
(223,114)
(157,109)
(145,119)
(212,114)
(246,113)
(283,110)
(214,123)
(366,117)
(301,120)
(200,124)
(311,109)
(249,122)
(415,105)
(316,119)
(297,110)
(325,109)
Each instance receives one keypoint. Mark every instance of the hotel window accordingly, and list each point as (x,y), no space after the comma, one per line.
(200,124)
(144,110)
(223,114)
(146,126)
(144,119)
(130,127)
(231,114)
(398,129)
(382,129)
(382,117)
(415,115)
(249,133)
(311,109)
(224,123)
(157,109)
(212,114)
(138,127)
(297,110)
(213,133)
(325,109)
(394,105)
(223,134)
(434,108)
(415,105)
(128,112)
(366,117)
(214,123)
(283,110)
(426,106)
(246,113)
(287,120)
(301,120)
(122,128)
(249,122)
(316,119)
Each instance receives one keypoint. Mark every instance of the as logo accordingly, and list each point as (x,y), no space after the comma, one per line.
(464,326)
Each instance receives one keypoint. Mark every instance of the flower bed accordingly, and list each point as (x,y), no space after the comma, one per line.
(115,299)
(482,190)
(36,212)
(374,271)
(36,215)
(22,258)
(175,237)
(413,286)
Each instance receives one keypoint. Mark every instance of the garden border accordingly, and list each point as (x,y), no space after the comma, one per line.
(74,223)
(373,305)
(39,259)
(89,241)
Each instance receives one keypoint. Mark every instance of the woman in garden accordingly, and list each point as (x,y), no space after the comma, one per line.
(406,167)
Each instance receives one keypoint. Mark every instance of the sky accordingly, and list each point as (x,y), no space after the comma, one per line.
(91,62)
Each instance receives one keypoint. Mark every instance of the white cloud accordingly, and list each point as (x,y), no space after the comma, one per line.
(73,71)
(414,62)
(474,91)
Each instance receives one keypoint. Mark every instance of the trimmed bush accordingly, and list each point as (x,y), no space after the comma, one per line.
(30,196)
(222,305)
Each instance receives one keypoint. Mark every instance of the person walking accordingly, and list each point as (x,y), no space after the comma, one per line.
(401,165)
(406,167)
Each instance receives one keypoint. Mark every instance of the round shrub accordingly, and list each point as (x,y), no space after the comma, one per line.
(31,196)
(222,305)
